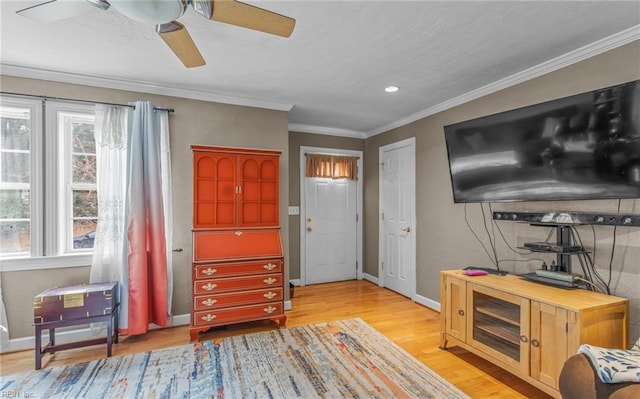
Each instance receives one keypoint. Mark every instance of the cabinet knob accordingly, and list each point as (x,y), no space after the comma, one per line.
(461,312)
(309,229)
(535,343)
(523,338)
(209,286)
(209,317)
(209,302)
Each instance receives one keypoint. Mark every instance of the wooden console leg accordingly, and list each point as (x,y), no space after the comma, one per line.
(38,347)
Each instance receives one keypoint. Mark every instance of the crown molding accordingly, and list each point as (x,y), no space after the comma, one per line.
(330,131)
(590,50)
(142,87)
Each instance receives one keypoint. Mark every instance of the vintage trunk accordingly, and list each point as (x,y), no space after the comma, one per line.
(75,302)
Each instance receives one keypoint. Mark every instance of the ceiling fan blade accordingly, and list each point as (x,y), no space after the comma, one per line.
(251,17)
(180,42)
(55,10)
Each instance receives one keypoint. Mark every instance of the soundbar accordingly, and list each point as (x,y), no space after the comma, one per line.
(557,275)
(570,218)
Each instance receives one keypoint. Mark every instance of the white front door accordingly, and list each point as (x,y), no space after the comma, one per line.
(397,268)
(330,217)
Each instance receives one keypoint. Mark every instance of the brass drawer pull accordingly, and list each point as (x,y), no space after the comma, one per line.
(535,343)
(209,317)
(270,266)
(523,338)
(461,312)
(269,295)
(209,286)
(270,309)
(209,271)
(269,280)
(209,302)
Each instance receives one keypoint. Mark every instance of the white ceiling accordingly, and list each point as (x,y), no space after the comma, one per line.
(332,71)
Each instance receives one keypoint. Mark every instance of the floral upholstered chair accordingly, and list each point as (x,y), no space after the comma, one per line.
(600,373)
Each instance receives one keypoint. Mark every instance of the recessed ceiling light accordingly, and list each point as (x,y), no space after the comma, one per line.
(391,89)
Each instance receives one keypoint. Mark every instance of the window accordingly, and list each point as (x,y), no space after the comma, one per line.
(78,177)
(48,197)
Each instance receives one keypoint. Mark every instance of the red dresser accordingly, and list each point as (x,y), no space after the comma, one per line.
(238,264)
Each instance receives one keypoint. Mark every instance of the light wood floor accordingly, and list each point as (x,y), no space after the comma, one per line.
(412,326)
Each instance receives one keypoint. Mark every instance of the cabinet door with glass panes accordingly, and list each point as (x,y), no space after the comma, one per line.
(499,325)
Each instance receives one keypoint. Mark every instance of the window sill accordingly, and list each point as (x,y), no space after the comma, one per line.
(45,262)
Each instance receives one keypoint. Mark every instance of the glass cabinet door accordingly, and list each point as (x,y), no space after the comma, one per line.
(499,325)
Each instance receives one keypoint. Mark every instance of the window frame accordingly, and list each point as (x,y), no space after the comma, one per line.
(61,241)
(50,213)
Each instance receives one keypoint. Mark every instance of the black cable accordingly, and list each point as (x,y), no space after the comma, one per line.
(477,237)
(591,262)
(507,244)
(491,241)
(585,272)
(613,249)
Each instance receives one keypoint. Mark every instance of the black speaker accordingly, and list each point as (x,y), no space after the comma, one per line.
(570,218)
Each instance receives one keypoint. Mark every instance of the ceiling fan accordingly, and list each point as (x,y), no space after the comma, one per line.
(164,13)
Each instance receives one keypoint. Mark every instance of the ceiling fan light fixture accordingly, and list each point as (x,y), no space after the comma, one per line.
(151,11)
(391,89)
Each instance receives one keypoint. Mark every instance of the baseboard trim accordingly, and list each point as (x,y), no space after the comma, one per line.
(78,334)
(370,277)
(430,303)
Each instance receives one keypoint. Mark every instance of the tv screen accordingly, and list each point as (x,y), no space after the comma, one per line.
(581,147)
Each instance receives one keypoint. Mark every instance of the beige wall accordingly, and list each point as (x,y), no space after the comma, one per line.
(297,140)
(444,240)
(193,122)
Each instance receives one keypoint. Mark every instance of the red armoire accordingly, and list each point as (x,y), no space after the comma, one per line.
(238,265)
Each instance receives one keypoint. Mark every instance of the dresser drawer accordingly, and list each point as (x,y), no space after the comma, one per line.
(238,269)
(216,285)
(204,302)
(237,314)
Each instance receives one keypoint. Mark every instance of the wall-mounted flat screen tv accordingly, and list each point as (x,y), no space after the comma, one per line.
(581,147)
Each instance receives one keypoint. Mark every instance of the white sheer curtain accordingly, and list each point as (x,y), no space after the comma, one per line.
(109,248)
(4,325)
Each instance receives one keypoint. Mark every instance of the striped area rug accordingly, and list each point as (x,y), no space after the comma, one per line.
(343,359)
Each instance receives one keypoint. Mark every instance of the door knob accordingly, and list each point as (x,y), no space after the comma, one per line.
(309,229)
(406,229)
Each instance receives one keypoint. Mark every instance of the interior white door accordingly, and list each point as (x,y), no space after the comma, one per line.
(330,228)
(397,224)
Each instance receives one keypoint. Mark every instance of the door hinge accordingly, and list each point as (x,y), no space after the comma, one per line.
(357,217)
(382,216)
(382,265)
(356,265)
(382,166)
(566,328)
